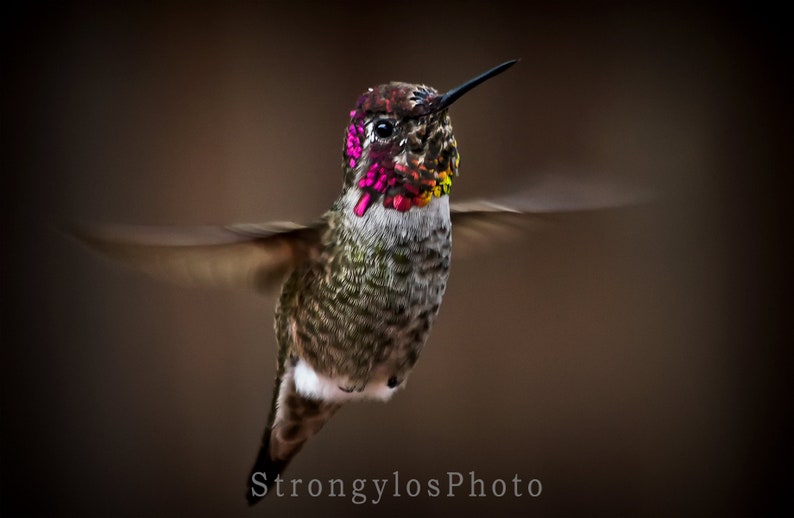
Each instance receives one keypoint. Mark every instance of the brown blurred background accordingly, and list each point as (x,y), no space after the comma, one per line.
(637,362)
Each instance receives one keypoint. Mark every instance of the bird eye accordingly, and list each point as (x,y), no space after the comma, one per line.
(384,128)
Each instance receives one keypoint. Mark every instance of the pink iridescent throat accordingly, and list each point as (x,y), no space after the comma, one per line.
(412,189)
(400,186)
(353,144)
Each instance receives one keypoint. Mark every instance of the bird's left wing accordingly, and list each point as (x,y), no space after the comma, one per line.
(247,256)
(476,224)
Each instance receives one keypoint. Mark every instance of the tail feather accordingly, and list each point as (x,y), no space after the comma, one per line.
(293,420)
(264,464)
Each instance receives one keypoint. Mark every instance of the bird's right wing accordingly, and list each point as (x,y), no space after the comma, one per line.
(247,256)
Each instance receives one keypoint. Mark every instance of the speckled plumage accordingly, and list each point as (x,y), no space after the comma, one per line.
(361,311)
(352,319)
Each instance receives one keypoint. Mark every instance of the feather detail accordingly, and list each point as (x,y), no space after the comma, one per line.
(247,256)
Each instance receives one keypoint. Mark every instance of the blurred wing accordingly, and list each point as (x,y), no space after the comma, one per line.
(477,224)
(247,256)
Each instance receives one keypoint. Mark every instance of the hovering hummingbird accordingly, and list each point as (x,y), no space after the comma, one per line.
(362,285)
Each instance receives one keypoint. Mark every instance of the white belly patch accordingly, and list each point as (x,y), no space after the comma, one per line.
(310,384)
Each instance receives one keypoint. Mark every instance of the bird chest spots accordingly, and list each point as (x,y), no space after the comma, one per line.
(400,259)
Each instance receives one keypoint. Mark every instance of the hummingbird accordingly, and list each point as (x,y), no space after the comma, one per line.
(360,288)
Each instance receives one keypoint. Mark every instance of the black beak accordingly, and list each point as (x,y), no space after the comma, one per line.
(444,100)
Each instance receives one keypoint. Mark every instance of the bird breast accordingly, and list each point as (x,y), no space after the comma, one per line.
(358,316)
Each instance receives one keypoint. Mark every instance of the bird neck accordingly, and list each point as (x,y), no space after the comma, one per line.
(384,225)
